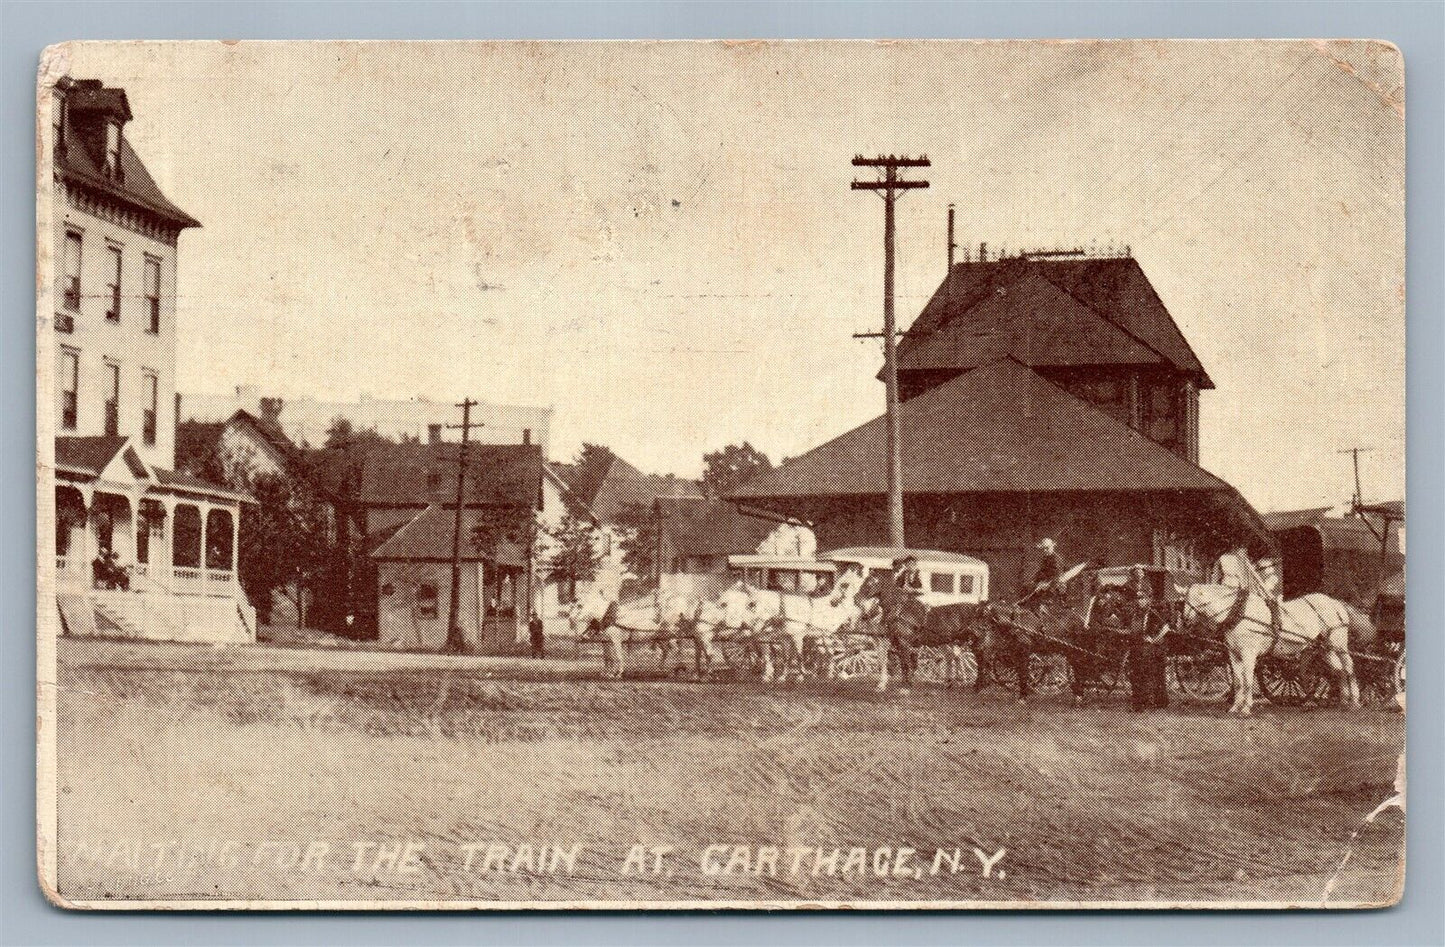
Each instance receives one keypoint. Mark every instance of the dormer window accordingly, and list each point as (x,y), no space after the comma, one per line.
(112,150)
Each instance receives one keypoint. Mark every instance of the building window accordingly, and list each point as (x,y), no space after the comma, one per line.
(153,292)
(113,287)
(72,270)
(426,601)
(112,150)
(69,387)
(1161,415)
(152,392)
(112,399)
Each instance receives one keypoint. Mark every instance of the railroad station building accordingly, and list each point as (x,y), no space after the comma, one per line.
(141,550)
(1040,397)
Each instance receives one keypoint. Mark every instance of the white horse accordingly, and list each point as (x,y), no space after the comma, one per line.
(1244,619)
(731,613)
(801,619)
(595,616)
(707,619)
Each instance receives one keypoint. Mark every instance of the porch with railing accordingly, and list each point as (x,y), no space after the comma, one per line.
(146,577)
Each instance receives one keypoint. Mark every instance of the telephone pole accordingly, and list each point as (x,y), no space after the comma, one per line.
(456,640)
(890,187)
(1355,453)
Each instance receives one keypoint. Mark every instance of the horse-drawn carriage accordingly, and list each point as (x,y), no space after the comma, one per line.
(840,615)
(1078,634)
(844,645)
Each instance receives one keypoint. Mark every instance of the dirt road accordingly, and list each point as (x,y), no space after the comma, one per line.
(265,773)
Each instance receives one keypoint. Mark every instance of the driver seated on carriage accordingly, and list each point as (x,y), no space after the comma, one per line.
(906,576)
(1045,589)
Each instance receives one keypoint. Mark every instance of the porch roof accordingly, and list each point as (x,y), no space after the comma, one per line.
(87,459)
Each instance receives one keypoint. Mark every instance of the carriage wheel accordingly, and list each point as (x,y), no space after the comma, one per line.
(1378,678)
(1001,672)
(1399,675)
(816,657)
(1202,677)
(1290,683)
(1049,674)
(932,665)
(968,672)
(856,660)
(737,655)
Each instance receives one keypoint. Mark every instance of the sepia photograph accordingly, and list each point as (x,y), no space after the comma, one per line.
(745,475)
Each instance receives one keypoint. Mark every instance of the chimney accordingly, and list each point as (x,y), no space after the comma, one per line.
(982,252)
(271,410)
(526,435)
(433,433)
(951,245)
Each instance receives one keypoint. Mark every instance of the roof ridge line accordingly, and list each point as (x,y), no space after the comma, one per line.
(1109,319)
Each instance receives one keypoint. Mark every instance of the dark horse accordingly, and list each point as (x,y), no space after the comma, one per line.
(1090,643)
(908,624)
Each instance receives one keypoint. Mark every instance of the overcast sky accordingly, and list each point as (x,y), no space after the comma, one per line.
(659,240)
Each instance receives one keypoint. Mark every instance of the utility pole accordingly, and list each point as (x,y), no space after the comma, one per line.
(456,640)
(889,187)
(1355,453)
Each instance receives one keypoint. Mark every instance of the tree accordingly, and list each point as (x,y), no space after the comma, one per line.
(341,433)
(639,527)
(283,542)
(725,470)
(589,469)
(575,557)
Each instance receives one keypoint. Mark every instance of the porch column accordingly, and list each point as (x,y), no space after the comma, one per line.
(134,499)
(205,511)
(165,565)
(87,499)
(236,551)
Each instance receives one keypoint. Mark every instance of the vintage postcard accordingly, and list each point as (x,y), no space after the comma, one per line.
(721,474)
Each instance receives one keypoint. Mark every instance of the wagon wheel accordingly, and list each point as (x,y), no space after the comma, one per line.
(1400,673)
(1049,674)
(1290,683)
(1377,676)
(856,660)
(932,665)
(1001,672)
(1202,677)
(968,671)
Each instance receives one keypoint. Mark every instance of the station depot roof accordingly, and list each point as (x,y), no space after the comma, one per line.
(999,428)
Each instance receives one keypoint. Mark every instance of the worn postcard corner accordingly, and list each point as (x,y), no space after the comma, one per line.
(721,475)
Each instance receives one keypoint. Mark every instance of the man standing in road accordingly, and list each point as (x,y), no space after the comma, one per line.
(1148,687)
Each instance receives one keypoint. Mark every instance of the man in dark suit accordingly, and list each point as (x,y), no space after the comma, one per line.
(1148,686)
